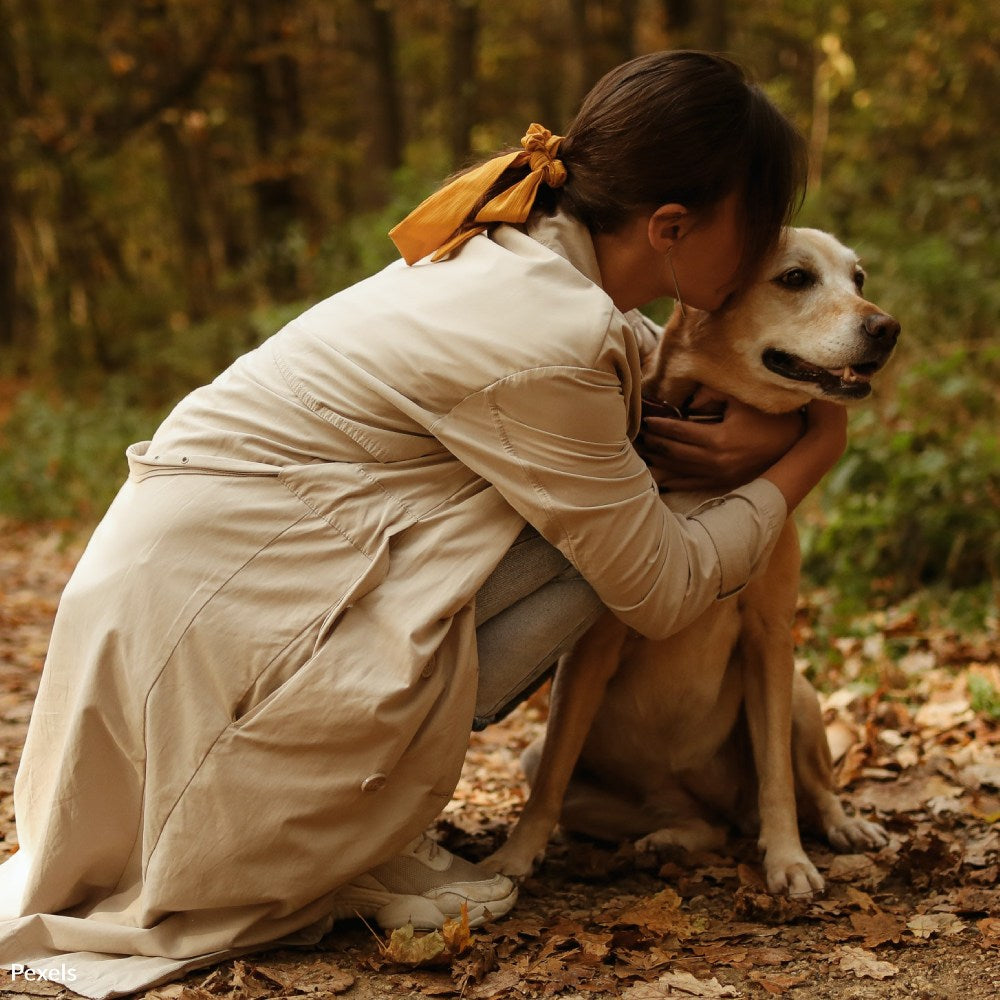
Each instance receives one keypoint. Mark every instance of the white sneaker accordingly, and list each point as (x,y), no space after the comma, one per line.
(425,886)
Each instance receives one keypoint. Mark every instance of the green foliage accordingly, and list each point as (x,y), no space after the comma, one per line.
(914,501)
(66,459)
(983,696)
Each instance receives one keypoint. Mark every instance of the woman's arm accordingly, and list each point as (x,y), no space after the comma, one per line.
(813,455)
(554,443)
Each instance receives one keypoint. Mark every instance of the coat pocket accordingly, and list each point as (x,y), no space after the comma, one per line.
(141,464)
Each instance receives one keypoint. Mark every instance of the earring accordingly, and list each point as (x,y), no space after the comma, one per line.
(677,289)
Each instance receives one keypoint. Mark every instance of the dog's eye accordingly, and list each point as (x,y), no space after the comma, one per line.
(859,280)
(796,277)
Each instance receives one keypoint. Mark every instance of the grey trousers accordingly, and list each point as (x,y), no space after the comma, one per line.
(532,608)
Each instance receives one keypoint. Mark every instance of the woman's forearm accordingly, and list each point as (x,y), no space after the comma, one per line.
(813,455)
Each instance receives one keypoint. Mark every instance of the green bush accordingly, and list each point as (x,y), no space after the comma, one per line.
(66,459)
(914,502)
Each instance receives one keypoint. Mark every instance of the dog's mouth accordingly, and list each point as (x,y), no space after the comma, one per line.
(850,382)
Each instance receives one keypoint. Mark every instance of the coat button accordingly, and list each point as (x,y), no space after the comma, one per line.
(374,782)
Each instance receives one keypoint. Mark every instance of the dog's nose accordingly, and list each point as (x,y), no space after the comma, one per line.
(881,326)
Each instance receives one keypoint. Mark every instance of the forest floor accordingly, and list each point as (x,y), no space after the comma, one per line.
(919,751)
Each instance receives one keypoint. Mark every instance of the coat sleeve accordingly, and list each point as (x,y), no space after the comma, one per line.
(554,442)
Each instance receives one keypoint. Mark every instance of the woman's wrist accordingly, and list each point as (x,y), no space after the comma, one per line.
(813,455)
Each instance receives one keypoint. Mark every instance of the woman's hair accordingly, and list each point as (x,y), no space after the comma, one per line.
(679,126)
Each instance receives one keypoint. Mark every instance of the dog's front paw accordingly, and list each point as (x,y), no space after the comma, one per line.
(857,835)
(794,876)
(512,861)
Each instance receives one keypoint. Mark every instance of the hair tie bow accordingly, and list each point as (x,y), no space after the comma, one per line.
(436,224)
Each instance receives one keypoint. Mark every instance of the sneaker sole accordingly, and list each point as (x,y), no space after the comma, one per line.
(423,912)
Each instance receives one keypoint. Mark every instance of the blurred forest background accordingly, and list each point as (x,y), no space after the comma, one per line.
(180,177)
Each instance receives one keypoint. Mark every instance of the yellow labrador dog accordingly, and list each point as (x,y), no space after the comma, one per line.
(675,739)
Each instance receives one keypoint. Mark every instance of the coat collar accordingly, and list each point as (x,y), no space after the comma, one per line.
(567,236)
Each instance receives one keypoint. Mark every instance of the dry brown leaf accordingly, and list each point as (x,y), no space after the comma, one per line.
(456,933)
(990,930)
(407,948)
(496,984)
(856,868)
(752,901)
(777,983)
(975,899)
(679,984)
(476,966)
(864,964)
(861,899)
(928,924)
(877,928)
(660,914)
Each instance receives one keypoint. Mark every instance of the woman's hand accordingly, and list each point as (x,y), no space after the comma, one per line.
(686,455)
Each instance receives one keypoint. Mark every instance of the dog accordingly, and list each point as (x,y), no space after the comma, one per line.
(672,741)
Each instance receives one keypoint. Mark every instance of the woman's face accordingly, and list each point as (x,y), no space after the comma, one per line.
(706,257)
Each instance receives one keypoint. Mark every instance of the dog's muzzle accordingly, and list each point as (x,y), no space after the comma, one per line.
(852,380)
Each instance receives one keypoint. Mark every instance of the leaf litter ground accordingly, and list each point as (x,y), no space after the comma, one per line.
(919,919)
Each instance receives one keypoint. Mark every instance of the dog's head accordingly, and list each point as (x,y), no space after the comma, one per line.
(803,329)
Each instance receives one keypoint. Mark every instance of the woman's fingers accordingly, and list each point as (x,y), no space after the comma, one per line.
(690,455)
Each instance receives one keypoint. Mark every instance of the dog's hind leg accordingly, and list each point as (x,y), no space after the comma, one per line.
(577,692)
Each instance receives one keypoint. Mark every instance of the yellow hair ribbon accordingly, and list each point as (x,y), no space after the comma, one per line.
(435,225)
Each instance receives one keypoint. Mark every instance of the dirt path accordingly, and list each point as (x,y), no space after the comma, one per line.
(919,920)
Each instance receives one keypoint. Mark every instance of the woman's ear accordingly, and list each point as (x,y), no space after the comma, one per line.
(667,225)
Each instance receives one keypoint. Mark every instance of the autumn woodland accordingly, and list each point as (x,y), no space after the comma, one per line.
(180,177)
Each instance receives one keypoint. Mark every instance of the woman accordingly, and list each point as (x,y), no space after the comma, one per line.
(263,672)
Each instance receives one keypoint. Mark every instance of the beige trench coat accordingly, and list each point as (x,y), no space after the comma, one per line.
(262,673)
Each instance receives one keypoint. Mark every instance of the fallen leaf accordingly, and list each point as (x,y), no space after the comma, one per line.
(974,899)
(476,966)
(928,924)
(864,964)
(679,984)
(753,902)
(877,928)
(456,933)
(777,983)
(990,930)
(406,948)
(496,984)
(861,899)
(660,914)
(856,868)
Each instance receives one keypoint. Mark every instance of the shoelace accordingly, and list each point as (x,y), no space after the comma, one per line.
(426,847)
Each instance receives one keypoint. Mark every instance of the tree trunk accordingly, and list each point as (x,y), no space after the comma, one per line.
(716,25)
(604,36)
(679,13)
(585,72)
(464,37)
(389,138)
(620,30)
(186,191)
(12,318)
(10,306)
(276,109)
